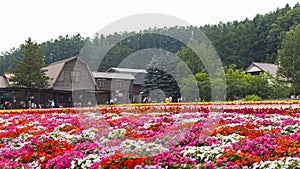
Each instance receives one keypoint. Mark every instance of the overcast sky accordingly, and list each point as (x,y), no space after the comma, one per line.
(43,20)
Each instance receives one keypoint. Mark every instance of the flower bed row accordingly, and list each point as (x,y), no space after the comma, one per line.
(153,136)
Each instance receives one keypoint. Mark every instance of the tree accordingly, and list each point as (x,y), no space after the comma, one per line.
(259,85)
(114,56)
(191,59)
(278,89)
(62,48)
(7,59)
(161,76)
(289,57)
(28,72)
(235,84)
(204,86)
(188,88)
(285,19)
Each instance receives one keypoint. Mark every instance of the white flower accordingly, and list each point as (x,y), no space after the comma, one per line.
(85,162)
(289,162)
(35,164)
(141,147)
(203,153)
(117,133)
(2,120)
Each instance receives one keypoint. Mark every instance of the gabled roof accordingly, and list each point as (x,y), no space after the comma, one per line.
(53,71)
(55,68)
(3,82)
(108,75)
(263,67)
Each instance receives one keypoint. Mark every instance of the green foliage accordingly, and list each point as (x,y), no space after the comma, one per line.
(238,43)
(204,86)
(252,98)
(289,57)
(149,39)
(160,76)
(189,88)
(257,40)
(240,84)
(191,59)
(114,56)
(53,50)
(7,59)
(28,72)
(260,85)
(236,83)
(61,48)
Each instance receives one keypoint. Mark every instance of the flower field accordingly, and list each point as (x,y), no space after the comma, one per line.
(229,135)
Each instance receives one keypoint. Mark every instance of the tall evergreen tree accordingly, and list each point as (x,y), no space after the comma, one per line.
(28,72)
(289,57)
(161,76)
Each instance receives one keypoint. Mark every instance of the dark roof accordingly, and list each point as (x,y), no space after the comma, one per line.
(3,82)
(138,74)
(264,67)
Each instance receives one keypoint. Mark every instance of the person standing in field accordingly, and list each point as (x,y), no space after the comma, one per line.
(89,103)
(52,103)
(167,100)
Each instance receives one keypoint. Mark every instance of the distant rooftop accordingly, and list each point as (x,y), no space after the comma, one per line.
(126,70)
(265,67)
(109,75)
(139,74)
(3,82)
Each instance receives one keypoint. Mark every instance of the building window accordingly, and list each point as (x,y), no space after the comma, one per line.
(75,75)
(101,83)
(61,76)
(118,83)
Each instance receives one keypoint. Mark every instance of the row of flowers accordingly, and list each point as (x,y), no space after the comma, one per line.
(245,135)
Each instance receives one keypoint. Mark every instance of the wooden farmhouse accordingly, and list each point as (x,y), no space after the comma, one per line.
(256,68)
(72,82)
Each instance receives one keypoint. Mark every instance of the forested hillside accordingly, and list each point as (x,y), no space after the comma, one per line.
(258,40)
(52,50)
(238,43)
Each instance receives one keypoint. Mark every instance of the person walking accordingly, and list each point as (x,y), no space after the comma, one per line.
(146,99)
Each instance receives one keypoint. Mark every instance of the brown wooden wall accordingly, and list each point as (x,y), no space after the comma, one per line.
(86,80)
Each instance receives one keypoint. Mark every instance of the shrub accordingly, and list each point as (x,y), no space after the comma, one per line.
(252,98)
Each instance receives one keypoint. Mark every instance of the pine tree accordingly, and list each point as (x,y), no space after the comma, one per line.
(160,75)
(28,72)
